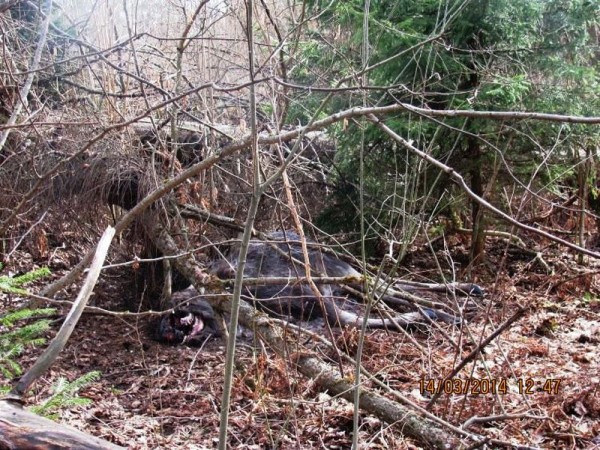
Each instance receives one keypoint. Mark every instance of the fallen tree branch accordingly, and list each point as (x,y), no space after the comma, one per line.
(58,343)
(20,428)
(104,312)
(498,234)
(412,424)
(194,212)
(554,208)
(471,356)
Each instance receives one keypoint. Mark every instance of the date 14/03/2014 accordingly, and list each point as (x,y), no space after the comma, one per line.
(477,386)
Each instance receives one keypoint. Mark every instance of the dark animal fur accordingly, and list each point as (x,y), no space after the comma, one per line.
(281,257)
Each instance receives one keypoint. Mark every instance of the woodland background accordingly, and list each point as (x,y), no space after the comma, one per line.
(429,140)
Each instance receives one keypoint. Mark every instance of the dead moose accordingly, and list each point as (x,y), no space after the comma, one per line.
(281,257)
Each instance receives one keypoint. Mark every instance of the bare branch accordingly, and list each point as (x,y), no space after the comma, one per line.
(502,115)
(461,182)
(22,101)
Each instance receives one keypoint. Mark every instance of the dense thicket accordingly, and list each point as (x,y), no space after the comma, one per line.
(481,55)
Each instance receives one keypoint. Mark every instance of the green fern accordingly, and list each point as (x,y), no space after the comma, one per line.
(65,395)
(14,339)
(13,285)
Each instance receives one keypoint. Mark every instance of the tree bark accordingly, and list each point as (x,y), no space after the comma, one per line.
(21,429)
(477,212)
(411,423)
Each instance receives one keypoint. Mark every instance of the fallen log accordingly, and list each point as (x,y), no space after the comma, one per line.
(21,429)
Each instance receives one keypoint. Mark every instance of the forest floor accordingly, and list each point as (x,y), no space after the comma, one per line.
(545,370)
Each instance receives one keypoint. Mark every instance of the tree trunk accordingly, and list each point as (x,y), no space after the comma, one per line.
(477,213)
(583,193)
